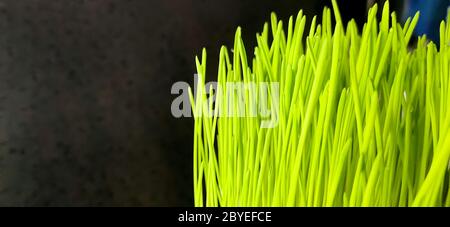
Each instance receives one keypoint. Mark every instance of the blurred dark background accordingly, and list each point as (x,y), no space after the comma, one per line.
(85,94)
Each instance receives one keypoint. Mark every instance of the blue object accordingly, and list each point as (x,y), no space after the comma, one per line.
(432,12)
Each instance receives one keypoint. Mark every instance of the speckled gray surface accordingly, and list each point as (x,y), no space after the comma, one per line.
(85,96)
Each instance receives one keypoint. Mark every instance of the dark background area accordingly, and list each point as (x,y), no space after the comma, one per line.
(85,95)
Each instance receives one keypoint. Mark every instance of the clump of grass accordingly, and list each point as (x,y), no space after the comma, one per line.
(363,120)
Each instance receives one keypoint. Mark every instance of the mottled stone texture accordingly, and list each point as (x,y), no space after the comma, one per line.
(85,95)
